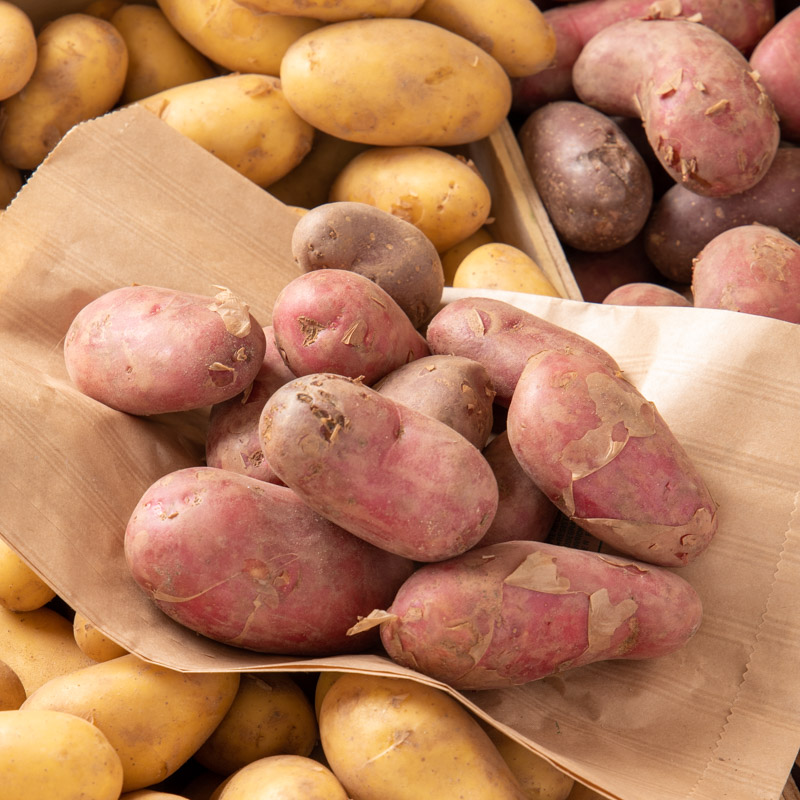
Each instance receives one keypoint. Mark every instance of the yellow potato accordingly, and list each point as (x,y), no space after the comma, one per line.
(10,184)
(442,194)
(282,777)
(93,641)
(155,718)
(270,716)
(150,794)
(396,739)
(158,57)
(80,72)
(242,119)
(39,645)
(501,266)
(17,49)
(338,10)
(234,35)
(454,255)
(21,589)
(395,82)
(324,682)
(515,32)
(49,754)
(12,692)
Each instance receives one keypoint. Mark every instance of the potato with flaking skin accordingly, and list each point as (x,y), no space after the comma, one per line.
(453,389)
(151,350)
(335,320)
(537,609)
(607,459)
(362,238)
(708,119)
(645,294)
(17,49)
(389,474)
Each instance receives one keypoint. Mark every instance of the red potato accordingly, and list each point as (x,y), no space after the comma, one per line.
(645,294)
(753,269)
(151,350)
(248,563)
(775,58)
(535,609)
(393,476)
(603,454)
(708,119)
(501,337)
(334,320)
(232,440)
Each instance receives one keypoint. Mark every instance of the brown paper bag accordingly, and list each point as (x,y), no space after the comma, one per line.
(125,199)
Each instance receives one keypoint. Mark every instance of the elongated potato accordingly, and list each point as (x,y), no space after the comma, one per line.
(339,10)
(149,350)
(604,455)
(249,563)
(395,477)
(17,49)
(536,609)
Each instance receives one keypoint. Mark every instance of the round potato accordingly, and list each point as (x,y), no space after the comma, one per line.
(395,82)
(501,266)
(453,256)
(21,589)
(93,641)
(17,49)
(441,194)
(645,294)
(80,73)
(12,692)
(338,10)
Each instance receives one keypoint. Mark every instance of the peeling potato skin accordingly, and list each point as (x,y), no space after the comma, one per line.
(594,183)
(367,240)
(603,454)
(335,320)
(454,390)
(753,269)
(522,628)
(709,121)
(247,563)
(501,337)
(152,350)
(393,476)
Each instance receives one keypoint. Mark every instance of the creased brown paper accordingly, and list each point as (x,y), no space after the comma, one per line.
(125,199)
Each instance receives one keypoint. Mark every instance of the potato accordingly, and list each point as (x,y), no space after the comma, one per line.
(105,9)
(501,337)
(80,71)
(238,37)
(149,349)
(502,266)
(324,682)
(441,194)
(593,182)
(158,57)
(515,32)
(243,119)
(39,645)
(683,223)
(137,705)
(338,10)
(395,477)
(12,692)
(389,738)
(93,642)
(452,389)
(335,320)
(754,269)
(270,716)
(281,777)
(150,794)
(395,82)
(607,459)
(389,251)
(708,119)
(536,609)
(774,59)
(48,754)
(645,294)
(17,49)
(10,184)
(21,589)
(453,256)
(250,564)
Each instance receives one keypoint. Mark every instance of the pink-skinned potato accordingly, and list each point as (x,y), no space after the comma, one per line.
(535,609)
(501,337)
(152,350)
(247,563)
(393,476)
(335,320)
(645,294)
(232,440)
(707,117)
(607,459)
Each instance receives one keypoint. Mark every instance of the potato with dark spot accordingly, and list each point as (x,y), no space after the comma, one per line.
(389,251)
(593,182)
